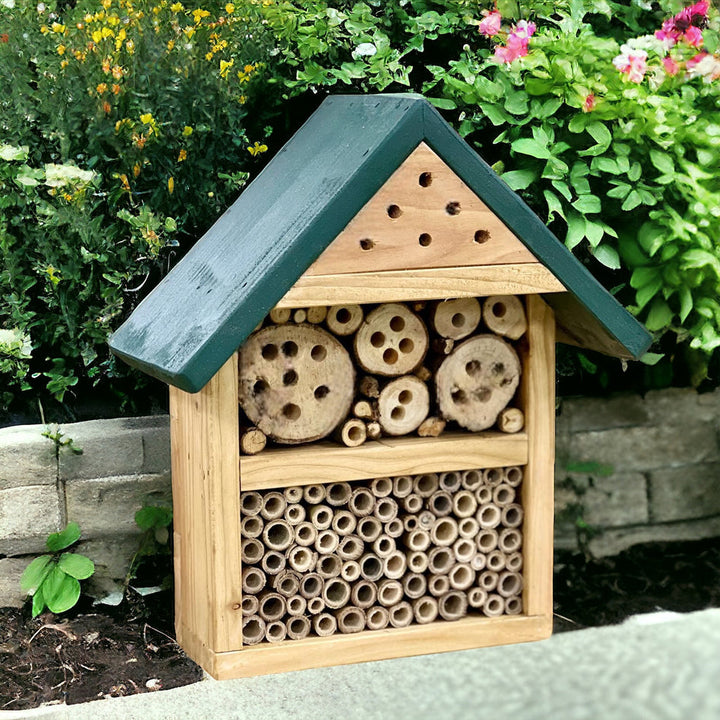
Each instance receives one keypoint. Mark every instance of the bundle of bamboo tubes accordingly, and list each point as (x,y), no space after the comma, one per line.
(344,557)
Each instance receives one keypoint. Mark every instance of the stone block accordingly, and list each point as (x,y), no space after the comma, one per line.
(646,448)
(156,446)
(107,506)
(676,406)
(26,457)
(110,448)
(685,493)
(27,516)
(584,414)
(112,558)
(11,570)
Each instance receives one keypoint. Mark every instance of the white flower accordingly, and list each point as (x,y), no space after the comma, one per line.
(364,50)
(8,3)
(41,7)
(60,175)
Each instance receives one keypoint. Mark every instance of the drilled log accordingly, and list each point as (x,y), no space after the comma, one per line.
(511,420)
(344,320)
(403,405)
(505,315)
(455,319)
(252,440)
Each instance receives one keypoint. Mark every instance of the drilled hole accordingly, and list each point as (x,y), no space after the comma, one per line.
(321,392)
(473,368)
(498,309)
(260,387)
(405,397)
(406,345)
(377,339)
(481,236)
(289,348)
(425,179)
(459,397)
(270,352)
(318,353)
(498,368)
(366,244)
(390,356)
(394,211)
(397,324)
(425,239)
(397,413)
(343,316)
(457,320)
(483,394)
(291,411)
(354,433)
(290,378)
(453,208)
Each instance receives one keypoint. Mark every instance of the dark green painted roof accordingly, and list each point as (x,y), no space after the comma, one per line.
(212,300)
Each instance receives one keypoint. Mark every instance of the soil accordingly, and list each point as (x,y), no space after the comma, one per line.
(94,653)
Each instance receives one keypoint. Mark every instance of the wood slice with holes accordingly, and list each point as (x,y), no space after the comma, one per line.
(505,315)
(455,319)
(391,341)
(344,319)
(296,382)
(403,405)
(477,381)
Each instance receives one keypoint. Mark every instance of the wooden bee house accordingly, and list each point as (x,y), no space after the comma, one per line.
(373,322)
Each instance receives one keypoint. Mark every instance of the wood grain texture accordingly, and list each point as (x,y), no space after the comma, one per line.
(429,284)
(206,506)
(424,216)
(470,632)
(538,400)
(327,462)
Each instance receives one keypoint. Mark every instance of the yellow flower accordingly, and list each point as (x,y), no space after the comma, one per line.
(225,67)
(116,89)
(52,274)
(106,107)
(97,36)
(242,99)
(189,31)
(171,185)
(101,88)
(187,131)
(106,4)
(44,29)
(208,56)
(124,182)
(130,46)
(117,72)
(177,7)
(106,66)
(64,64)
(57,27)
(171,44)
(229,8)
(147,119)
(182,155)
(136,169)
(257,148)
(198,15)
(61,49)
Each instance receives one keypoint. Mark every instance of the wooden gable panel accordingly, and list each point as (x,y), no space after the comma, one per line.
(424,216)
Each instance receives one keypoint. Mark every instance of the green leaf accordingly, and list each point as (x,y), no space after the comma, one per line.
(608,256)
(35,573)
(660,315)
(517,103)
(530,146)
(602,137)
(554,205)
(443,103)
(686,303)
(538,86)
(587,204)
(631,201)
(493,113)
(38,602)
(697,258)
(662,161)
(78,566)
(576,229)
(519,179)
(153,516)
(61,591)
(64,538)
(652,358)
(10,152)
(590,467)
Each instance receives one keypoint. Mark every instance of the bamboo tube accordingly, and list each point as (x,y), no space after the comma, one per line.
(336,593)
(427,520)
(351,433)
(314,494)
(384,546)
(327,542)
(440,560)
(328,566)
(315,605)
(293,494)
(324,625)
(377,618)
(361,502)
(417,561)
(488,580)
(311,585)
(425,610)
(278,535)
(505,315)
(275,631)
(509,584)
(417,539)
(321,516)
(251,503)
(280,315)
(444,532)
(410,523)
(350,620)
(389,592)
(476,597)
(440,503)
(249,605)
(386,509)
(365,410)
(252,440)
(432,426)
(369,386)
(412,503)
(513,605)
(344,320)
(394,565)
(316,314)
(273,562)
(464,550)
(453,605)
(371,567)
(253,580)
(493,476)
(472,479)
(350,570)
(513,476)
(514,562)
(274,505)
(363,594)
(464,504)
(511,420)
(381,487)
(394,528)
(402,486)
(299,316)
(251,527)
(425,485)
(450,481)
(438,585)
(512,516)
(494,605)
(478,562)
(287,583)
(489,516)
(305,534)
(503,494)
(487,540)
(369,529)
(253,630)
(496,561)
(344,522)
(510,540)
(298,627)
(373,430)
(461,576)
(294,514)
(483,495)
(414,585)
(272,606)
(251,551)
(296,605)
(401,615)
(468,528)
(351,548)
(338,494)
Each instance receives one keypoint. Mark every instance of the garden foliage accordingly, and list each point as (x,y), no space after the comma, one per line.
(130,125)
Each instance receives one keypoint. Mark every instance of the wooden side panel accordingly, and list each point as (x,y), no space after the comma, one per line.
(427,284)
(538,395)
(206,504)
(423,216)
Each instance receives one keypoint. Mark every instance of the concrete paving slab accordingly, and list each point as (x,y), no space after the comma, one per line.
(662,666)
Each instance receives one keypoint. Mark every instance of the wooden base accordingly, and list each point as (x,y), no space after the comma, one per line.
(315,652)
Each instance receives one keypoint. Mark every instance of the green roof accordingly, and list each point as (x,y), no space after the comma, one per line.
(200,313)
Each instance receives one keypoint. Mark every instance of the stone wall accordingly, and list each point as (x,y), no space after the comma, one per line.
(628,470)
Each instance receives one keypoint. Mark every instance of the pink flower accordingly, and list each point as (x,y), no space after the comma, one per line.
(517,42)
(686,25)
(589,103)
(693,36)
(671,67)
(490,24)
(704,65)
(632,62)
(524,30)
